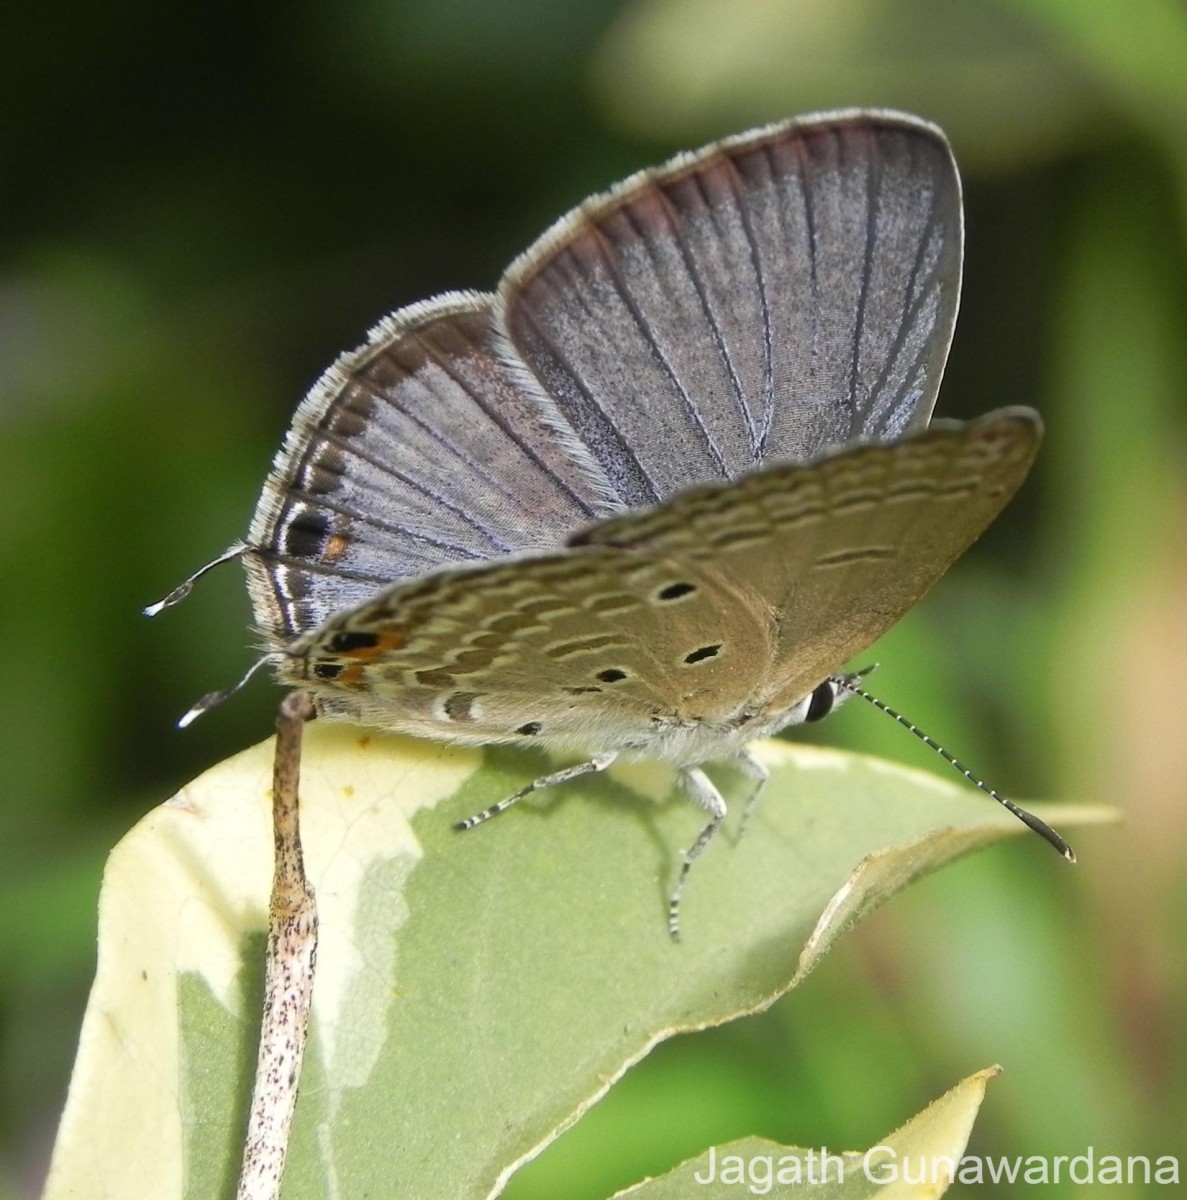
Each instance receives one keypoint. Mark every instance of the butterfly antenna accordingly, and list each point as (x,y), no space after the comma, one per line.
(214,699)
(182,590)
(849,683)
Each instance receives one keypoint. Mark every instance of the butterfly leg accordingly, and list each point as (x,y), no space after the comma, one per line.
(701,789)
(757,771)
(599,762)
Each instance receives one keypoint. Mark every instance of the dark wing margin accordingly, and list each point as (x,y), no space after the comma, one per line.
(416,451)
(765,298)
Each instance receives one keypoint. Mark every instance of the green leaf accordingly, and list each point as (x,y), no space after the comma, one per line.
(927,1148)
(475,992)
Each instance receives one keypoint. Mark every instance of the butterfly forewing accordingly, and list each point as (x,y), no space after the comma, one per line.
(765,298)
(834,553)
(416,451)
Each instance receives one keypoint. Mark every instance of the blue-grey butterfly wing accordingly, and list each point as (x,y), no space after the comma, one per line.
(765,298)
(762,299)
(416,451)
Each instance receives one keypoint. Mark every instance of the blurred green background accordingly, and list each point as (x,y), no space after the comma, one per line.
(202,205)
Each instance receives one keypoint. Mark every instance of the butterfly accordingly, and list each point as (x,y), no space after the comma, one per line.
(646,499)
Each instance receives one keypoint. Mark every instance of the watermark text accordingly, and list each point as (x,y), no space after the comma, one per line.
(759,1174)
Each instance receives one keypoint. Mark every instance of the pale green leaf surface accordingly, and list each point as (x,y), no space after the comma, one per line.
(926,1149)
(475,992)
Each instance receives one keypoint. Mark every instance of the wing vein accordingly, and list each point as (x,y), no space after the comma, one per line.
(873,188)
(760,435)
(595,413)
(914,305)
(690,265)
(445,363)
(343,444)
(435,434)
(649,337)
(320,501)
(313,567)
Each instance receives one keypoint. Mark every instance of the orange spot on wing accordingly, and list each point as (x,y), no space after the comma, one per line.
(336,547)
(385,643)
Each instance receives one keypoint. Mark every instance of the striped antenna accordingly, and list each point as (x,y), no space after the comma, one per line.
(849,683)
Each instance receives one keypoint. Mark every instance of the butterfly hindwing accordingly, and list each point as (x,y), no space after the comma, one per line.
(416,451)
(594,647)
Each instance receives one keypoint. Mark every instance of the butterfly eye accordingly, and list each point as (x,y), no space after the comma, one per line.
(821,704)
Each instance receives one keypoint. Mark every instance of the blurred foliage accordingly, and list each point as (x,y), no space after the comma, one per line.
(202,205)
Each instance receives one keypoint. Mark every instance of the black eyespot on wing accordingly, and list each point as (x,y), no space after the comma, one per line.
(821,704)
(611,675)
(530,729)
(306,536)
(327,670)
(675,591)
(348,640)
(703,653)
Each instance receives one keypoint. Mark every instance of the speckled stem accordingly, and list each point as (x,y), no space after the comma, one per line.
(288,977)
